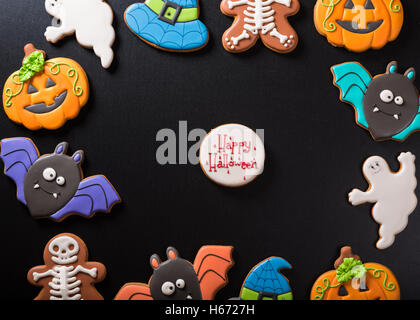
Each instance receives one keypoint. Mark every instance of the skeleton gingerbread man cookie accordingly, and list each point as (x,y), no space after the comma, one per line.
(393,195)
(90,20)
(67,273)
(265,19)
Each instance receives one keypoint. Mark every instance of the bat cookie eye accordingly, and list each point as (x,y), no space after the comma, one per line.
(386,96)
(399,100)
(180,283)
(60,181)
(49,174)
(168,288)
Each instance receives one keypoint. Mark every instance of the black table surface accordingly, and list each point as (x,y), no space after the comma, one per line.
(297,209)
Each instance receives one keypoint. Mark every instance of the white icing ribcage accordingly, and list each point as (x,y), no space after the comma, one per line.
(64,284)
(259,14)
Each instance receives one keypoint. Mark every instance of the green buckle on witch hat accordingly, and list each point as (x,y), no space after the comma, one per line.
(171,12)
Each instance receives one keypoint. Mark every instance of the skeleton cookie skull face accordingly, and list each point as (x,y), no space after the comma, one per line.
(52,181)
(64,250)
(53,7)
(391,102)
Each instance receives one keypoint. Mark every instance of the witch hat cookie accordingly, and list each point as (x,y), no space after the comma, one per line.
(168,25)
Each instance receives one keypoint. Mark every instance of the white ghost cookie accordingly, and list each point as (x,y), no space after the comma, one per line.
(393,195)
(91,20)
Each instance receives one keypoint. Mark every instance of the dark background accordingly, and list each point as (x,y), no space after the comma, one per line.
(297,209)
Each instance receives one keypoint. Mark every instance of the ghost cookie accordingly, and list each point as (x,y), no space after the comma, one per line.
(393,195)
(90,20)
(45,93)
(67,273)
(354,280)
(359,25)
(260,19)
(386,105)
(232,155)
(168,25)
(178,279)
(265,282)
(52,186)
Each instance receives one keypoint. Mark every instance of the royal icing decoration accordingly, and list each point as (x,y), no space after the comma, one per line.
(353,280)
(393,195)
(265,282)
(178,279)
(232,155)
(265,19)
(67,273)
(90,20)
(386,105)
(359,25)
(52,185)
(168,25)
(45,94)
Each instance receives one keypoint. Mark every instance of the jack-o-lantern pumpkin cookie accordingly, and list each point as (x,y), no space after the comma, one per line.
(359,25)
(386,105)
(354,280)
(179,279)
(67,273)
(265,282)
(45,93)
(52,185)
(260,19)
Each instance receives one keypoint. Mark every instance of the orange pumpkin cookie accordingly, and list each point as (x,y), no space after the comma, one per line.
(45,94)
(359,25)
(353,280)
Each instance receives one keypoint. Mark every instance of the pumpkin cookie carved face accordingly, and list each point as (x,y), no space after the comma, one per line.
(45,94)
(359,25)
(353,280)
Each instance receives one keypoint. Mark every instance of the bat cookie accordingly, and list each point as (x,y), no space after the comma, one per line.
(45,93)
(265,282)
(386,105)
(52,186)
(89,20)
(67,273)
(260,19)
(393,195)
(232,155)
(354,280)
(168,25)
(178,279)
(359,25)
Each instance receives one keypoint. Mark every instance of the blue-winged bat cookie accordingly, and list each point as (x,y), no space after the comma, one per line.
(52,185)
(386,105)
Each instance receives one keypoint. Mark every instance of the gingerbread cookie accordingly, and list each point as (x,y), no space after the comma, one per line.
(168,25)
(359,25)
(393,195)
(45,94)
(89,20)
(178,279)
(67,273)
(264,19)
(265,282)
(353,280)
(52,186)
(232,155)
(386,105)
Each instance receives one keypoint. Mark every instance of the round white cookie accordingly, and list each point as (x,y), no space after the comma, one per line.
(232,155)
